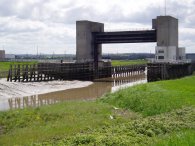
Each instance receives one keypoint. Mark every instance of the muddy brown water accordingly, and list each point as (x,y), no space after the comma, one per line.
(91,92)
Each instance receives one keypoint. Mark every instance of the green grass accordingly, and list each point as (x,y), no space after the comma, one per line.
(155,98)
(159,113)
(64,119)
(127,62)
(4,66)
(182,138)
(141,131)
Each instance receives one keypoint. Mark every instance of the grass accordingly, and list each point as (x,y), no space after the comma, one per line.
(182,138)
(4,66)
(159,113)
(141,131)
(155,98)
(127,62)
(23,127)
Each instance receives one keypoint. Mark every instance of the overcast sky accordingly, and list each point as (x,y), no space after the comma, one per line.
(49,25)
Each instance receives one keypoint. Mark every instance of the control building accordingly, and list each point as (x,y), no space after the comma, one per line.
(167,49)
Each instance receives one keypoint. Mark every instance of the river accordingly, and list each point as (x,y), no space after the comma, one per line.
(91,92)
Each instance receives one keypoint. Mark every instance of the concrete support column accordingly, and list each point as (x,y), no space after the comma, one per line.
(84,41)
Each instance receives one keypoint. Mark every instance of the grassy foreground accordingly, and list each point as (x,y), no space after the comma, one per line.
(155,98)
(127,62)
(158,114)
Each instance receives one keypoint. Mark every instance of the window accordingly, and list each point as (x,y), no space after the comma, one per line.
(160,51)
(160,57)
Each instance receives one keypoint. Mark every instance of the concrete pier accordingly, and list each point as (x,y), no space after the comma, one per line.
(84,40)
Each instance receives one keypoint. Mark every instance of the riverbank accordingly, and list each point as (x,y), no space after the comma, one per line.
(21,89)
(159,113)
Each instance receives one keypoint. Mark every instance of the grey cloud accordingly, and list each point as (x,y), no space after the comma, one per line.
(69,13)
(73,14)
(187,35)
(183,11)
(145,16)
(15,25)
(114,14)
(32,13)
(7,8)
(10,8)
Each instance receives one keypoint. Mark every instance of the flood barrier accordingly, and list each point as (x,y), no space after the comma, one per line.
(69,71)
(166,71)
(87,71)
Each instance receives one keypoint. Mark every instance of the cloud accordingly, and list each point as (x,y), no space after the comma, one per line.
(183,10)
(51,24)
(16,25)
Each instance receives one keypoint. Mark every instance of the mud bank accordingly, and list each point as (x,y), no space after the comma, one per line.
(20,89)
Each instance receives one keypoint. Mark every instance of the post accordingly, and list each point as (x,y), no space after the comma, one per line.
(18,72)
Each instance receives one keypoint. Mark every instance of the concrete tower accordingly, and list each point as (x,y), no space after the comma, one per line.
(84,40)
(167,39)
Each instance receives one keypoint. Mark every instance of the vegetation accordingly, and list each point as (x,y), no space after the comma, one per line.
(127,62)
(142,131)
(158,114)
(155,98)
(31,125)
(4,66)
(183,138)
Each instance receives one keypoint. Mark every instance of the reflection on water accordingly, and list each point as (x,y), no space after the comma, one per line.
(97,89)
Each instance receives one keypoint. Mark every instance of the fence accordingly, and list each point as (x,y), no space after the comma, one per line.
(124,71)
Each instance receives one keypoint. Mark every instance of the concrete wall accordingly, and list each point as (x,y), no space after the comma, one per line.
(168,53)
(2,55)
(182,53)
(84,40)
(171,52)
(167,30)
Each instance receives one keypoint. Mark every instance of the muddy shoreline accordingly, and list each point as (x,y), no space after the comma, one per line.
(21,89)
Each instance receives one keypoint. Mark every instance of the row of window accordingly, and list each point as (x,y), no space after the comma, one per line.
(160,51)
(160,57)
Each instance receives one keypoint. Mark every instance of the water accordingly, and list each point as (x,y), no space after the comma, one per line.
(97,89)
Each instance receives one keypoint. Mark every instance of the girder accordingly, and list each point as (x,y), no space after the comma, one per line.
(125,37)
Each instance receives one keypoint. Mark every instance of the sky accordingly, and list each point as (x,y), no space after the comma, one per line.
(49,26)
